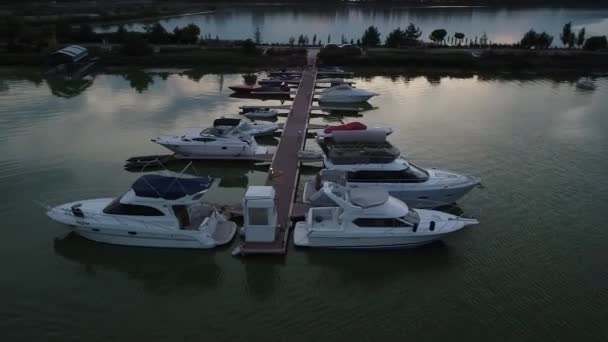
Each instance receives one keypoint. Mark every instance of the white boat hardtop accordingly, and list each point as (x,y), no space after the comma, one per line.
(157,211)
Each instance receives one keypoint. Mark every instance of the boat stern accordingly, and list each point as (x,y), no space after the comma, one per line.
(300,235)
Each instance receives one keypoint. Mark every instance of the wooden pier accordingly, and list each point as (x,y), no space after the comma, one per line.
(285,167)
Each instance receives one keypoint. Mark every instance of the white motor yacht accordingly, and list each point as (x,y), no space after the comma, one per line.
(344,93)
(371,219)
(211,142)
(365,160)
(157,211)
(230,126)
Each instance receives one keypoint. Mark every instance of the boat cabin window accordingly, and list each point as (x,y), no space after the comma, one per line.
(410,175)
(379,223)
(204,139)
(258,216)
(117,208)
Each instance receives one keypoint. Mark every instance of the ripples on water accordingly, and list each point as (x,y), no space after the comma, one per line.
(533,267)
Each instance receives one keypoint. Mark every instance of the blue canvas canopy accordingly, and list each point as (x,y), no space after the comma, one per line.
(170,188)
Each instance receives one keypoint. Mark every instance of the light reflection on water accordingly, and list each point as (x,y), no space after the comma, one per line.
(538,143)
(279,23)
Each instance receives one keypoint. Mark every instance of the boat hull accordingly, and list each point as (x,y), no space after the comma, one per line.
(345,99)
(228,151)
(139,238)
(302,237)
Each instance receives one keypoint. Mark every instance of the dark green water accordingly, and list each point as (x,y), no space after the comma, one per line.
(534,269)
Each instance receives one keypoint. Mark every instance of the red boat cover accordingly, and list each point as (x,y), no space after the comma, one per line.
(351,126)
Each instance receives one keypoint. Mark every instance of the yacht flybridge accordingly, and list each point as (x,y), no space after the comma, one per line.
(371,219)
(344,93)
(157,211)
(211,141)
(365,160)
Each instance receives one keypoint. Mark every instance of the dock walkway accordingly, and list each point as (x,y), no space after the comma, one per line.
(284,170)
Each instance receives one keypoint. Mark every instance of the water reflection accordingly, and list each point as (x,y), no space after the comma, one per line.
(69,88)
(139,79)
(262,276)
(370,268)
(159,271)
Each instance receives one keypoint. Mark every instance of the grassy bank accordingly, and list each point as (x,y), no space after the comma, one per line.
(172,58)
(479,59)
(508,59)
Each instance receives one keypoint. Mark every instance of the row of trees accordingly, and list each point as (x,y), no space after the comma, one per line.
(532,39)
(411,37)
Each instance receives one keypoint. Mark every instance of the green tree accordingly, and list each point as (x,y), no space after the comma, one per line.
(580,39)
(483,40)
(136,45)
(86,33)
(459,36)
(314,39)
(595,43)
(301,39)
(249,47)
(328,38)
(411,34)
(63,30)
(156,33)
(190,34)
(257,36)
(438,35)
(371,37)
(395,38)
(532,39)
(568,37)
(292,40)
(121,34)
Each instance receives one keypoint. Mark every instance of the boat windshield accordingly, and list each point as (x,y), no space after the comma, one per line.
(211,131)
(411,218)
(117,208)
(417,172)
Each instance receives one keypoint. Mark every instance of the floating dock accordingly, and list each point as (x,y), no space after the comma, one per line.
(285,167)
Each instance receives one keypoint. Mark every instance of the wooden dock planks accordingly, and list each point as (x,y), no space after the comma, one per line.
(284,170)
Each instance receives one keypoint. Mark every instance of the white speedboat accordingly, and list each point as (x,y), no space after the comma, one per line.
(262,114)
(211,142)
(157,211)
(371,219)
(367,161)
(345,94)
(230,126)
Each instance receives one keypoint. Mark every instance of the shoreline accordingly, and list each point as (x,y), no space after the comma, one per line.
(466,59)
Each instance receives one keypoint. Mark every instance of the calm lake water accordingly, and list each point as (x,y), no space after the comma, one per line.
(278,23)
(534,269)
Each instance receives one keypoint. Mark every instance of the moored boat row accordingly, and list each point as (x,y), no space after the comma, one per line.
(367,195)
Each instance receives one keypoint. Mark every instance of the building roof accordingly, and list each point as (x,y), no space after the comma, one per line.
(170,188)
(75,52)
